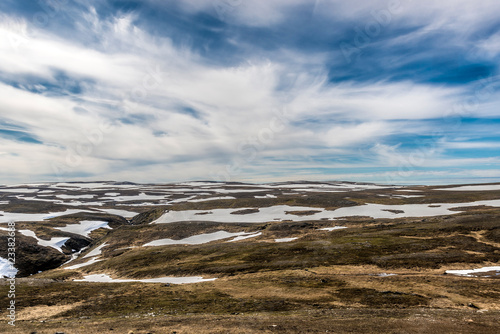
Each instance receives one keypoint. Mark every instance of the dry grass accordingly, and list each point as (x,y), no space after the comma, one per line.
(322,282)
(312,321)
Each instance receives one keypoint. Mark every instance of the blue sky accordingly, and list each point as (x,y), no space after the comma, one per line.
(394,91)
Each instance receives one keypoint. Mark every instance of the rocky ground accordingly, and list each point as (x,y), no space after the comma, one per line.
(300,257)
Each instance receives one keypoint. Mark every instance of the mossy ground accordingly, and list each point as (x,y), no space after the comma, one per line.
(322,282)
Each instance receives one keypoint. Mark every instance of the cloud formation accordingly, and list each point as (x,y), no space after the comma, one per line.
(160,91)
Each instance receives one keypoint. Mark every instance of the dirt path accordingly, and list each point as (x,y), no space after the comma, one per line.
(479,236)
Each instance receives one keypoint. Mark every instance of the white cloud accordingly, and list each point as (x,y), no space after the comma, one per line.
(140,83)
(258,13)
(471,145)
(349,135)
(378,101)
(262,13)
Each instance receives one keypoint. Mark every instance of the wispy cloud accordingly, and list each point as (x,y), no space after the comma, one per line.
(174,90)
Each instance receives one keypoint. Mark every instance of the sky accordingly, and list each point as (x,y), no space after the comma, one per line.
(391,91)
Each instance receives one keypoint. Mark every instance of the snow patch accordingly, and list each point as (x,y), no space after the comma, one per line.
(209,199)
(85,227)
(278,212)
(88,263)
(470,273)
(197,239)
(386,275)
(10,216)
(199,184)
(103,278)
(91,185)
(266,196)
(56,242)
(243,237)
(19,190)
(409,196)
(64,196)
(6,270)
(332,228)
(486,187)
(96,251)
(140,197)
(234,191)
(285,239)
(123,213)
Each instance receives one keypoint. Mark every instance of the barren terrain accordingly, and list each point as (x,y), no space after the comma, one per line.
(300,257)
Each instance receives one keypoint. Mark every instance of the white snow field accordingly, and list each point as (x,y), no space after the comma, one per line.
(333,228)
(386,275)
(471,272)
(6,270)
(85,227)
(485,187)
(209,199)
(141,197)
(96,251)
(9,216)
(285,239)
(200,238)
(64,196)
(56,242)
(88,263)
(266,196)
(93,254)
(18,190)
(103,278)
(92,185)
(123,213)
(279,212)
(61,202)
(243,237)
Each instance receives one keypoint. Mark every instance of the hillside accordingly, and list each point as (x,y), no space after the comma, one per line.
(292,257)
